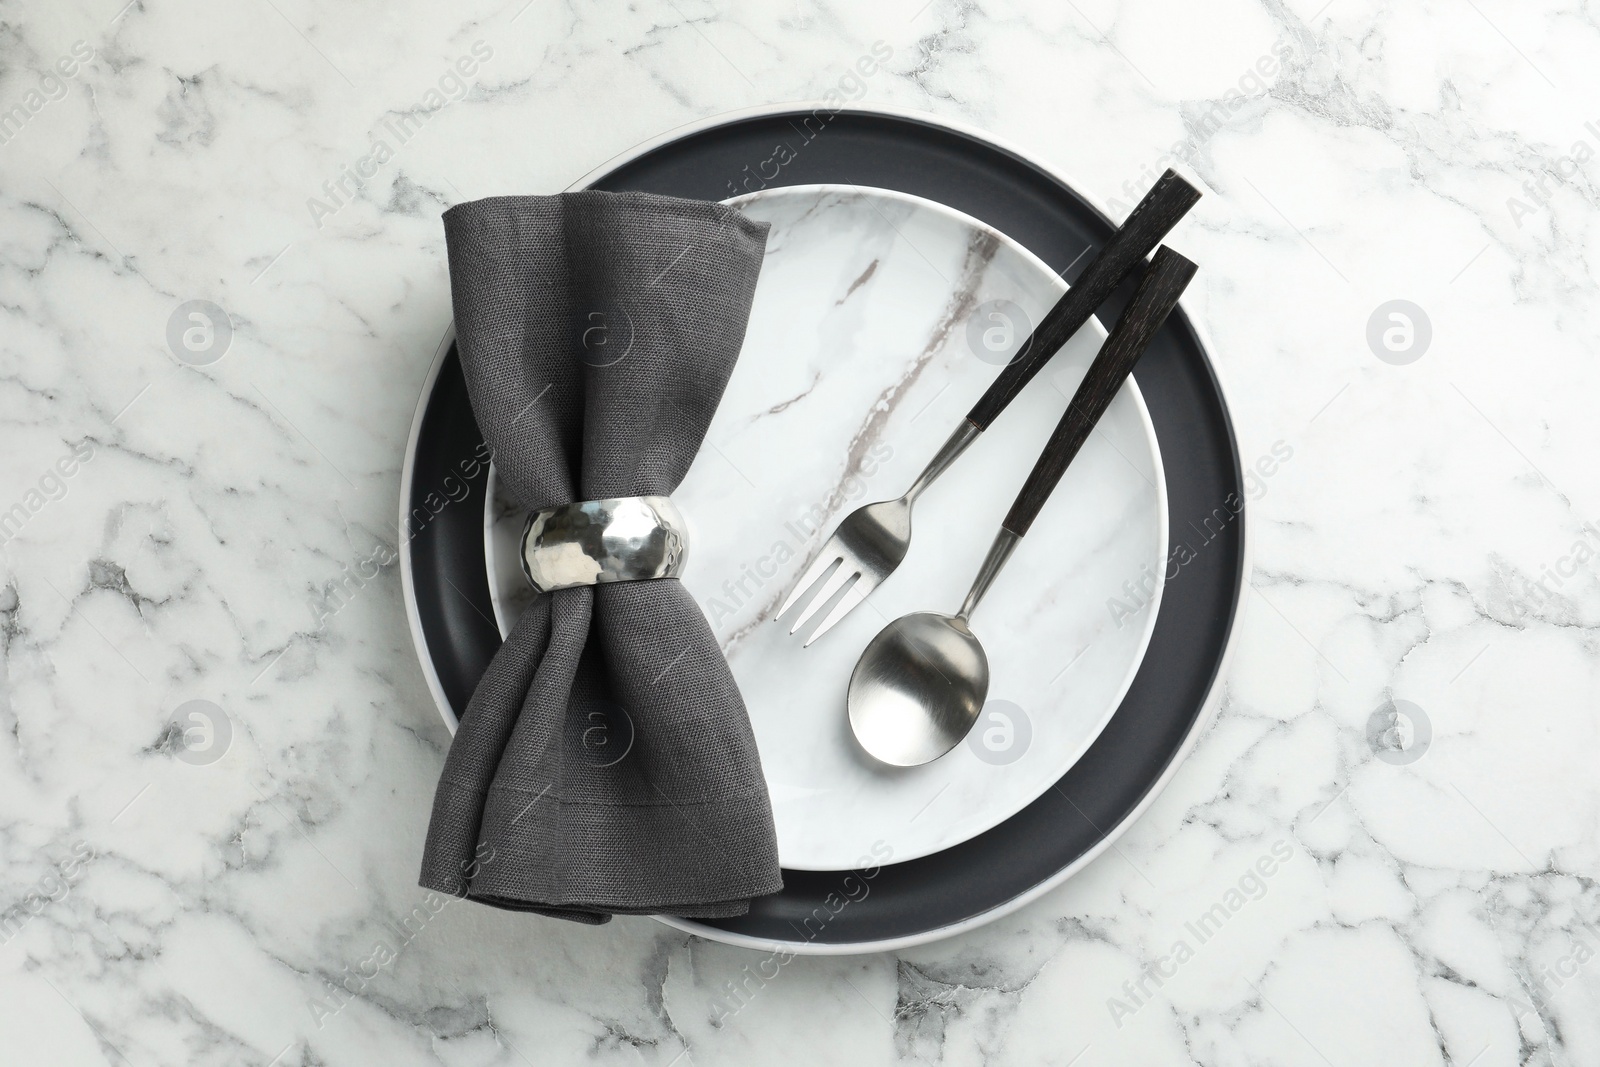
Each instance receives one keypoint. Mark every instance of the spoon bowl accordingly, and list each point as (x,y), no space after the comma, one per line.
(918,688)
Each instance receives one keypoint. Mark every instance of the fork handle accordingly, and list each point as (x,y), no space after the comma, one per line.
(1163,283)
(1162,207)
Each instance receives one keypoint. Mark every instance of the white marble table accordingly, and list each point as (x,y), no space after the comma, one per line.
(186,523)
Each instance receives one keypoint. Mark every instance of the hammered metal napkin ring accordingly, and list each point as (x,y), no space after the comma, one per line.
(624,539)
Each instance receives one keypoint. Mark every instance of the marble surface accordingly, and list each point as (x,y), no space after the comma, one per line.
(218,748)
(878,321)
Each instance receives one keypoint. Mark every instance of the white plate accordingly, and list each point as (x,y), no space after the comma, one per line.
(858,362)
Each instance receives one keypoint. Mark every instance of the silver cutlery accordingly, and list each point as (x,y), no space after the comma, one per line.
(872,540)
(922,682)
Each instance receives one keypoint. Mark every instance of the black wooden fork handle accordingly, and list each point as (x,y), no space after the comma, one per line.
(1159,211)
(1163,283)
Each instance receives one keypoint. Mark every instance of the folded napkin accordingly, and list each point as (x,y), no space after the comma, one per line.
(605,764)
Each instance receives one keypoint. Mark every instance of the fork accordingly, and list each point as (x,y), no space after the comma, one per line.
(872,540)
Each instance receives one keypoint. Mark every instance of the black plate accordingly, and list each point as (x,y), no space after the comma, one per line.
(910,900)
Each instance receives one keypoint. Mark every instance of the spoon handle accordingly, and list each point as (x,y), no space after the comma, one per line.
(1163,283)
(1123,253)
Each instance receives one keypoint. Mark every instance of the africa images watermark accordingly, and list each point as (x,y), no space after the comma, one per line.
(1399,732)
(1139,593)
(754,575)
(355,978)
(850,87)
(1566,169)
(199,332)
(1399,332)
(1254,82)
(1535,596)
(1250,886)
(199,733)
(451,86)
(336,595)
(736,994)
(1002,734)
(50,487)
(53,888)
(52,87)
(1544,983)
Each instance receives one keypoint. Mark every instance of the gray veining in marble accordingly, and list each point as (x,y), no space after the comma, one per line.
(186,523)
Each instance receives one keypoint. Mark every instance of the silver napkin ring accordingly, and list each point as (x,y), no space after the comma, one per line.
(624,539)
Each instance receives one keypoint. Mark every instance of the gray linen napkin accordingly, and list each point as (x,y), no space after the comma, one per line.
(605,763)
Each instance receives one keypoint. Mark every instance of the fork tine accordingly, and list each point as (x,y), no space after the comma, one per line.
(847,570)
(829,555)
(852,598)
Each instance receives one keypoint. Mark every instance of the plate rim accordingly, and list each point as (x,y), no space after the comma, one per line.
(1209,706)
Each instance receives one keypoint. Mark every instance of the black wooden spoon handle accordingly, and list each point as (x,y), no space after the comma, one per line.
(1163,283)
(1125,252)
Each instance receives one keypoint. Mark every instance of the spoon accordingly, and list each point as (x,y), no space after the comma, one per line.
(922,682)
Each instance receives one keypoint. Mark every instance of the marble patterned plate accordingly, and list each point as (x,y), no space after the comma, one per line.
(874,330)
